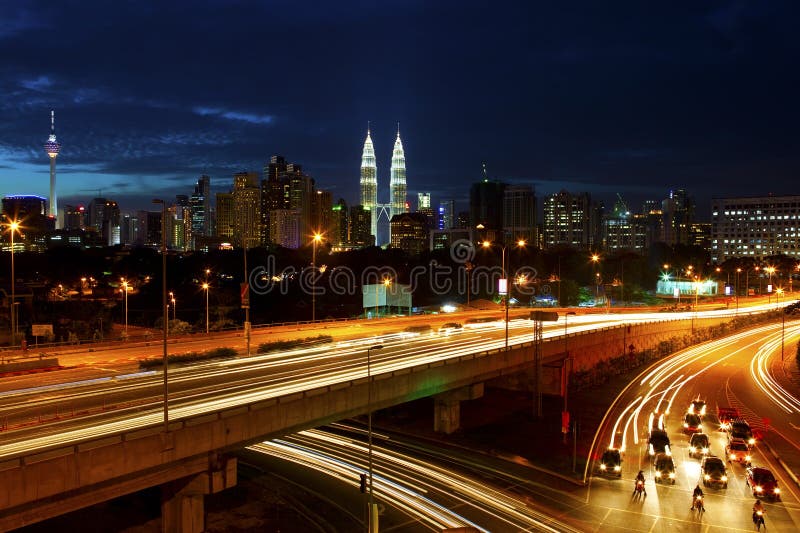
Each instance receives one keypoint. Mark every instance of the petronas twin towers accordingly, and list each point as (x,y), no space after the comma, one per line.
(397,183)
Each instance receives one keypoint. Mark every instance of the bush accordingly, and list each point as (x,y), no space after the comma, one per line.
(189,357)
(276,346)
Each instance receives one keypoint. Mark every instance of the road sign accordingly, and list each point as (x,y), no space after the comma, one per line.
(544,316)
(502,286)
(41,330)
(245,294)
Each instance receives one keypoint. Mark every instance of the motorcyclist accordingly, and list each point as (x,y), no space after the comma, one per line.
(640,477)
(758,506)
(697,492)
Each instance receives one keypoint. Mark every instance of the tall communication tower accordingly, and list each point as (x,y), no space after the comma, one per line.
(52,147)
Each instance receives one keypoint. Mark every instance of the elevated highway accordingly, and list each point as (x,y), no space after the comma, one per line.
(218,407)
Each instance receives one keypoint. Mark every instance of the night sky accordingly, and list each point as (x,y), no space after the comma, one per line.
(630,97)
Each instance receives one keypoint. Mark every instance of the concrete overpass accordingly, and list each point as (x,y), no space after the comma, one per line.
(192,458)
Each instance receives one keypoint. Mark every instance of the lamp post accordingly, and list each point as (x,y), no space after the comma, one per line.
(164,304)
(738,271)
(317,238)
(371,516)
(770,270)
(174,306)
(568,369)
(205,288)
(521,244)
(125,288)
(758,273)
(596,260)
(13,226)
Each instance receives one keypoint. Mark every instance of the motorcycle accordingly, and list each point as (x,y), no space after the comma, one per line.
(758,519)
(639,487)
(697,503)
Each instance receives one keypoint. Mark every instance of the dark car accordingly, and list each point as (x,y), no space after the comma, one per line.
(664,469)
(738,450)
(712,469)
(698,445)
(697,407)
(658,442)
(692,423)
(449,328)
(762,483)
(740,429)
(611,462)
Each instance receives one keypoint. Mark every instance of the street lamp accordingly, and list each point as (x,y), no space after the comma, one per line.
(205,288)
(13,226)
(174,306)
(520,244)
(317,238)
(387,282)
(568,370)
(164,303)
(371,515)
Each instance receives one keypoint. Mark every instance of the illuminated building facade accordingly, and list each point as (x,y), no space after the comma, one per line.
(756,227)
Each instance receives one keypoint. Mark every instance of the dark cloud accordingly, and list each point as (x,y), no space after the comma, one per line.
(630,97)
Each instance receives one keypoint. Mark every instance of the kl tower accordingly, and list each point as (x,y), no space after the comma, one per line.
(52,147)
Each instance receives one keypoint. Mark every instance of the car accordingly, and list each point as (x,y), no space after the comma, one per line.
(449,328)
(712,471)
(725,416)
(692,423)
(611,462)
(697,407)
(740,429)
(738,450)
(699,445)
(762,483)
(658,442)
(664,469)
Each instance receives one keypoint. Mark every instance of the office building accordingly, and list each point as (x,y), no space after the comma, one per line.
(409,233)
(519,214)
(756,227)
(247,209)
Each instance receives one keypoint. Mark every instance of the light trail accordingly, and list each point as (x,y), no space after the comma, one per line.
(760,372)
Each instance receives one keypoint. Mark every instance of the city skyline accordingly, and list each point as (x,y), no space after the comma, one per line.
(592,99)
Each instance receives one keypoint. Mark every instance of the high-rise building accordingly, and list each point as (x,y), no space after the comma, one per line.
(756,227)
(225,214)
(423,200)
(678,215)
(519,213)
(30,211)
(52,147)
(360,227)
(369,183)
(322,214)
(74,217)
(447,210)
(410,232)
(397,184)
(109,224)
(301,194)
(95,214)
(284,228)
(339,225)
(619,231)
(247,209)
(129,229)
(200,203)
(568,220)
(486,204)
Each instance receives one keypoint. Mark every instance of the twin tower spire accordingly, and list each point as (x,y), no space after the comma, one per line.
(397,183)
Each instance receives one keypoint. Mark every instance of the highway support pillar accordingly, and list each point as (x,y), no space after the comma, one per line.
(182,509)
(447,407)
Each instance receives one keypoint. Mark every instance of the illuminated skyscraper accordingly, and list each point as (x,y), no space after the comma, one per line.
(398,179)
(369,183)
(52,147)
